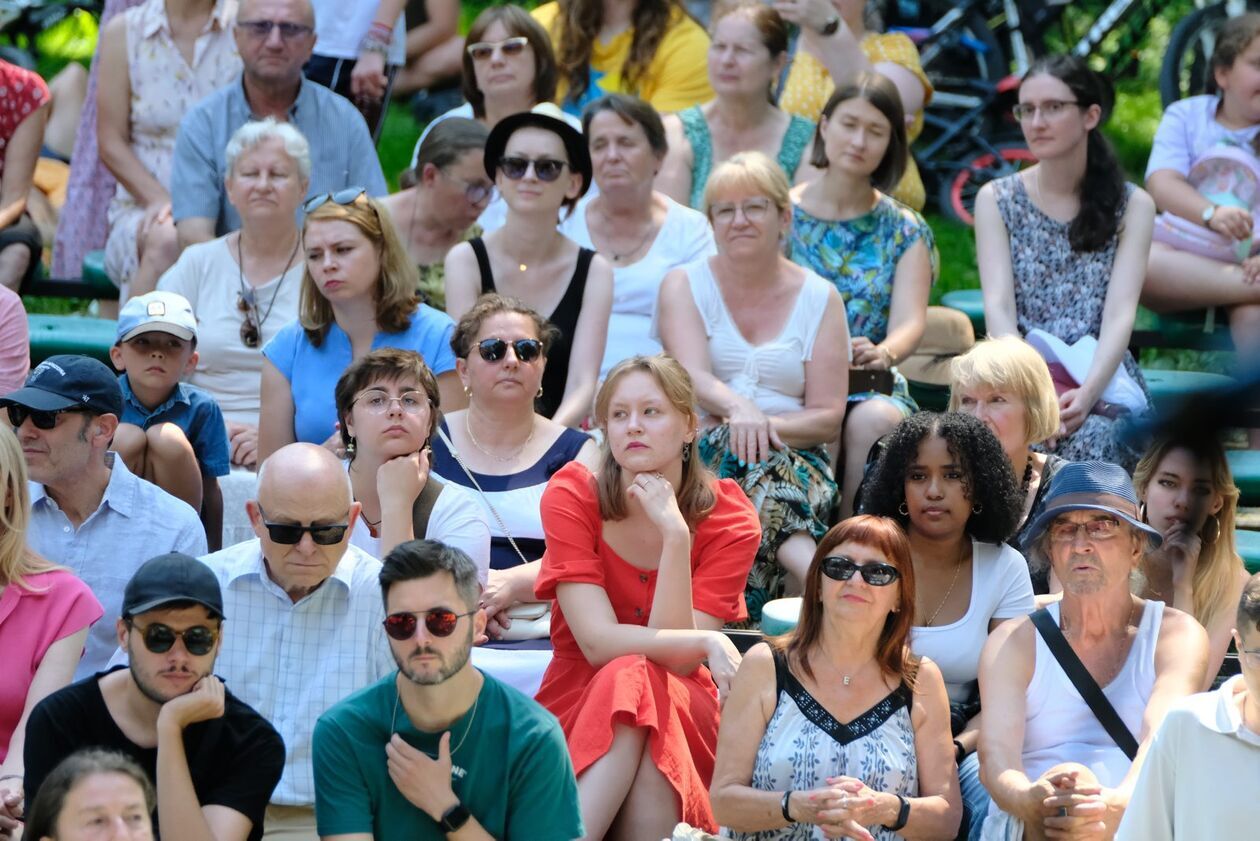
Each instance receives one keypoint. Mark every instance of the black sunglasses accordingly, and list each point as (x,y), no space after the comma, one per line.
(348,196)
(547,169)
(439,622)
(159,638)
(526,350)
(290,533)
(840,568)
(41,418)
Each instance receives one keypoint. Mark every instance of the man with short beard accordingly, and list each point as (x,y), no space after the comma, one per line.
(214,759)
(465,756)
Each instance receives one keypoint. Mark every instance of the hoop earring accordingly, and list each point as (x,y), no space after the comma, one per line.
(1142,514)
(903,509)
(539,394)
(350,448)
(1216,529)
(977,508)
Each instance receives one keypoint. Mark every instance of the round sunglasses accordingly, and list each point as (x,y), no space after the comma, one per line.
(526,350)
(841,568)
(439,622)
(546,169)
(159,638)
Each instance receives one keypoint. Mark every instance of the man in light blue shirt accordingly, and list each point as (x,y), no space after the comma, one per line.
(88,512)
(275,38)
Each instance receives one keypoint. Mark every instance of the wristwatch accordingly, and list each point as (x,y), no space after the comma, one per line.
(1208,213)
(454,818)
(830,27)
(903,815)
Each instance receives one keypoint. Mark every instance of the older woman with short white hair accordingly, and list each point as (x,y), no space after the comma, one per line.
(245,286)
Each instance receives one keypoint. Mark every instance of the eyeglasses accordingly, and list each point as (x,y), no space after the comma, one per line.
(754,210)
(476,192)
(439,622)
(247,303)
(841,568)
(1066,531)
(1250,656)
(379,402)
(348,196)
(546,169)
(40,418)
(484,50)
(260,29)
(1050,109)
(526,350)
(291,533)
(160,638)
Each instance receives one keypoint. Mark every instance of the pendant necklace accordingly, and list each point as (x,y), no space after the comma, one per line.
(467,730)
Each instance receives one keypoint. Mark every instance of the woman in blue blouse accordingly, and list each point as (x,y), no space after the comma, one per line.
(358,294)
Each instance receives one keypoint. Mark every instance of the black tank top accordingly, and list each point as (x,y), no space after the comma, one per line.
(564,319)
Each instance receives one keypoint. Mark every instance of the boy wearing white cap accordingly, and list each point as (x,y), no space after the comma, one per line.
(171,433)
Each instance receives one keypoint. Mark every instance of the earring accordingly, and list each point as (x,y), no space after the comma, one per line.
(977,508)
(468,391)
(539,394)
(903,509)
(686,452)
(1142,513)
(1216,529)
(350,448)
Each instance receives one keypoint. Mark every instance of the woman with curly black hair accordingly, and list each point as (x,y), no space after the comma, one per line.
(945,478)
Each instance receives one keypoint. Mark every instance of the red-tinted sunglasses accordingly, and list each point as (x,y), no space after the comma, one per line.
(439,622)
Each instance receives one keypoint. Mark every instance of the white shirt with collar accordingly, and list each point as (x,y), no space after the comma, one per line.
(135,520)
(1201,777)
(291,662)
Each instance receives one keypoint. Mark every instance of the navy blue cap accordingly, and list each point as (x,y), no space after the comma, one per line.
(1091,486)
(173,577)
(69,382)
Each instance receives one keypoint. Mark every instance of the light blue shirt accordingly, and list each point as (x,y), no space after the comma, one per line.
(136,520)
(292,662)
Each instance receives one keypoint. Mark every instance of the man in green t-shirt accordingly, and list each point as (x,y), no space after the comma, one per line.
(440,750)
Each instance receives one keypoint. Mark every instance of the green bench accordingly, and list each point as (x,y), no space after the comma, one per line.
(55,334)
(1245,467)
(971,304)
(1169,388)
(1248,543)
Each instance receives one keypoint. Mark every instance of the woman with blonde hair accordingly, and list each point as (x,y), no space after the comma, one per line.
(1188,494)
(358,294)
(45,613)
(646,561)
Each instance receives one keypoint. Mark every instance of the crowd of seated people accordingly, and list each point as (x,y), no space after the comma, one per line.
(440,514)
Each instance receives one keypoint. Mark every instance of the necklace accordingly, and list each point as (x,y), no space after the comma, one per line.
(948,593)
(247,293)
(467,730)
(651,231)
(498,458)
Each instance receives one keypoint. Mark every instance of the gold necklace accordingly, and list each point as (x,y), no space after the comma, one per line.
(939,607)
(394,720)
(498,458)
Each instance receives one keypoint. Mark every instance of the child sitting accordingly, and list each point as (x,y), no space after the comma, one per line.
(171,433)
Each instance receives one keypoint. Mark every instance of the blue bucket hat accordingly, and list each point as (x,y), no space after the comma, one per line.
(1091,486)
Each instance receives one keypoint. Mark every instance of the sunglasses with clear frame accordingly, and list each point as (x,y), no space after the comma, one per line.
(247,304)
(346,197)
(484,50)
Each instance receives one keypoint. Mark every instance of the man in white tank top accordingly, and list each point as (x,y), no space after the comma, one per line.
(1045,758)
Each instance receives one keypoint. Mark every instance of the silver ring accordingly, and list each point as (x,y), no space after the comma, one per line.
(1063,811)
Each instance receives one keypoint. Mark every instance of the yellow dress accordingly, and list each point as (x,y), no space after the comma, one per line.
(809,86)
(677,78)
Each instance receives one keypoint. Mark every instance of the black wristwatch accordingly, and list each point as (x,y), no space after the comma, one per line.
(903,815)
(454,818)
(830,27)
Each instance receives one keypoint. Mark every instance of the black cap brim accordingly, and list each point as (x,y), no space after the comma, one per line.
(154,604)
(38,399)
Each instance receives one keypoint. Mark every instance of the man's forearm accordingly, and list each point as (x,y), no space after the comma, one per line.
(179,811)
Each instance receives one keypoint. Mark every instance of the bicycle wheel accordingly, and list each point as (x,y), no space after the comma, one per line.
(1187,62)
(964,52)
(956,194)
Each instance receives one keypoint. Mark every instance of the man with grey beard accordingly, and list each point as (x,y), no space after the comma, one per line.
(439,749)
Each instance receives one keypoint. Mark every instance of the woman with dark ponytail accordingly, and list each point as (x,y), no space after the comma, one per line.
(1062,248)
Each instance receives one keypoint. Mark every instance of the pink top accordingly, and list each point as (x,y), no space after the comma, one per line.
(15,340)
(56,605)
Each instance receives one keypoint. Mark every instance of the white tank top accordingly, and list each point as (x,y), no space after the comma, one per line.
(1060,725)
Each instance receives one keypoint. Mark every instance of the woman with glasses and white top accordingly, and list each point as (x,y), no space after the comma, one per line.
(358,294)
(245,286)
(541,165)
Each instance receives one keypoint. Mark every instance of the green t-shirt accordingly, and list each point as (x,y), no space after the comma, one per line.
(512,772)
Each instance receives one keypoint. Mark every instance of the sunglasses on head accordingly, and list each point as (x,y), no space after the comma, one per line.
(439,622)
(290,533)
(40,418)
(159,638)
(526,350)
(840,568)
(483,50)
(345,197)
(546,169)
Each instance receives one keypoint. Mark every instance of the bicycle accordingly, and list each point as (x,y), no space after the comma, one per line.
(1187,62)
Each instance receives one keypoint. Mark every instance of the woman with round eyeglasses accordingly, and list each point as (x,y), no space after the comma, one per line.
(945,479)
(246,285)
(766,342)
(387,410)
(93,795)
(443,194)
(504,452)
(541,166)
(875,716)
(358,294)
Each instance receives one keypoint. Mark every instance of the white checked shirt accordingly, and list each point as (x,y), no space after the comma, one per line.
(291,662)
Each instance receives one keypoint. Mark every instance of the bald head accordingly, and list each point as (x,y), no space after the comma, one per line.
(300,11)
(304,476)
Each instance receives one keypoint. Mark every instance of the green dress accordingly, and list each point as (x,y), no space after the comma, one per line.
(796,139)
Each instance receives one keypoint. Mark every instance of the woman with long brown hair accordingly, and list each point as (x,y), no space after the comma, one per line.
(889,769)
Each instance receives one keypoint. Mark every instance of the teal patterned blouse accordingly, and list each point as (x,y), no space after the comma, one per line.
(799,134)
(860,257)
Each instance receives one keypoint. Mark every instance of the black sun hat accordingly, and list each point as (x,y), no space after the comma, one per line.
(548,116)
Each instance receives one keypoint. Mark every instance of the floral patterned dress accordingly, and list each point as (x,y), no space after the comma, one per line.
(799,135)
(859,256)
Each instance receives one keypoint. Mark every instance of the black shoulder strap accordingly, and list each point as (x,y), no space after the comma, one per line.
(423,507)
(483,263)
(1084,682)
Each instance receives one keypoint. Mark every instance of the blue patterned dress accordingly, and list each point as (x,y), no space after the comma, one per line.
(804,745)
(859,256)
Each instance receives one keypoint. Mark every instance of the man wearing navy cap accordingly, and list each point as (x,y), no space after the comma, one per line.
(1051,759)
(214,759)
(88,511)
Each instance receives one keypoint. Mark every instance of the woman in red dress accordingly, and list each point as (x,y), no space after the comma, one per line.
(646,561)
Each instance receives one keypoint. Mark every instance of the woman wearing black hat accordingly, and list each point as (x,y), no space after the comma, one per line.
(540,164)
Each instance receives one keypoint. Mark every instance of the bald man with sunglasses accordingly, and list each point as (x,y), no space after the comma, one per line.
(214,759)
(306,615)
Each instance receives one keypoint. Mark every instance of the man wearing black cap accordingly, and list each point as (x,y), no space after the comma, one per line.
(1051,759)
(88,512)
(214,759)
